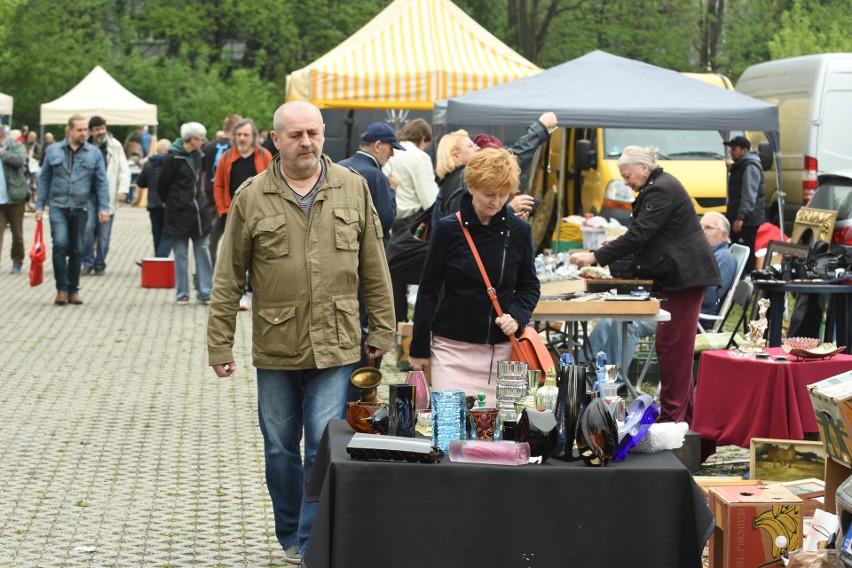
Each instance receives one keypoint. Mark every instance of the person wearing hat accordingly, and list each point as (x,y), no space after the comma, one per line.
(378,143)
(746,188)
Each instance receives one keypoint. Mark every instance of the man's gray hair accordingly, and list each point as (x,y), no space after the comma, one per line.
(242,122)
(719,220)
(190,130)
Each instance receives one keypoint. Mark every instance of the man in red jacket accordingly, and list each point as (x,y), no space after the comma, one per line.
(244,160)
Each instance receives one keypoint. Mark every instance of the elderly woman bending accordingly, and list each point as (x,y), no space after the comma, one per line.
(456,329)
(668,247)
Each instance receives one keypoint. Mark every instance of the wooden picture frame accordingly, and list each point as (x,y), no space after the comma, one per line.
(813,225)
(786,460)
(776,250)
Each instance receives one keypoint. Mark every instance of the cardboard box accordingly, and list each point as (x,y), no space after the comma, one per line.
(754,525)
(403,343)
(835,474)
(832,402)
(158,273)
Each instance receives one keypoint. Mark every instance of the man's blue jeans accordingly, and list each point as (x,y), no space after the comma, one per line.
(100,230)
(607,337)
(203,266)
(66,233)
(287,403)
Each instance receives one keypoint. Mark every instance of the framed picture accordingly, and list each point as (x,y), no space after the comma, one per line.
(776,250)
(786,460)
(813,225)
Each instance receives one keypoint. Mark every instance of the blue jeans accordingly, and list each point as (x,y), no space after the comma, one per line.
(607,337)
(66,233)
(287,403)
(100,230)
(203,266)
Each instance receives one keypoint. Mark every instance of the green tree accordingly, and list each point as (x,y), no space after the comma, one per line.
(810,27)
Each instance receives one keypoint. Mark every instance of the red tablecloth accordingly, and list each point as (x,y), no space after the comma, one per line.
(738,399)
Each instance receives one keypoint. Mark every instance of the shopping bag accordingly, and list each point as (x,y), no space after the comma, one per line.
(38,254)
(530,349)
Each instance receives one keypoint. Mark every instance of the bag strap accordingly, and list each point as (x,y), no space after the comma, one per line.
(488,287)
(39,232)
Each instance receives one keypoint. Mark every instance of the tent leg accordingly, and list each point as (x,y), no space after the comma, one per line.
(780,193)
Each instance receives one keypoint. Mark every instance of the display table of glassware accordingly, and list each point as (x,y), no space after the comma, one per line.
(644,511)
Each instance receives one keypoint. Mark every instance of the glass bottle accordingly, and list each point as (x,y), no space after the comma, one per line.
(546,396)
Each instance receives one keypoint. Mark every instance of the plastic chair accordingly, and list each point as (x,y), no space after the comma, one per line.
(740,253)
(741,297)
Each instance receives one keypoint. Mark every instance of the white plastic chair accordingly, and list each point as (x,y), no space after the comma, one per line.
(740,253)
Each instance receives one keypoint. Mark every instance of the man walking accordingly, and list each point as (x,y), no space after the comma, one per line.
(746,188)
(14,194)
(72,172)
(309,232)
(148,180)
(118,182)
(244,160)
(211,153)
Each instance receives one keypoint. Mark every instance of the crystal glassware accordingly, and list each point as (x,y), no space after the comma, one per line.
(448,417)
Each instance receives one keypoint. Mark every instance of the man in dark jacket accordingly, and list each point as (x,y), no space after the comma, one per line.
(746,188)
(378,143)
(14,194)
(186,216)
(148,179)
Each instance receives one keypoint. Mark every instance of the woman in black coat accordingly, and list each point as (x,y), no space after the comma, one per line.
(668,247)
(456,328)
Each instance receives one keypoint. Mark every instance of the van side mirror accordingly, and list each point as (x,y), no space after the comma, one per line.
(764,150)
(584,155)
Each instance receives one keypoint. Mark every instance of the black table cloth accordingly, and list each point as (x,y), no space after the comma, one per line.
(644,511)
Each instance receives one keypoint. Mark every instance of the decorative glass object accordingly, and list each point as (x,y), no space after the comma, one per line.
(597,434)
(538,429)
(484,422)
(360,417)
(640,415)
(422,390)
(476,451)
(402,414)
(573,398)
(512,384)
(448,417)
(546,396)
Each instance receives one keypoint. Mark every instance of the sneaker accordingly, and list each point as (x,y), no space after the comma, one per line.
(16,269)
(87,269)
(205,301)
(292,556)
(100,271)
(182,301)
(245,302)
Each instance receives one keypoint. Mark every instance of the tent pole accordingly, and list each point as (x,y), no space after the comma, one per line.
(559,190)
(780,192)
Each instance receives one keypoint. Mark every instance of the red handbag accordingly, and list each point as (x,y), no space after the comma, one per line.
(38,254)
(529,347)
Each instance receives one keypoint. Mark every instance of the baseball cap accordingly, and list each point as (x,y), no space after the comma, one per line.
(382,132)
(739,142)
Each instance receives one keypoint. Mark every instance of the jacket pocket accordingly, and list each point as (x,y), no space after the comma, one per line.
(348,321)
(661,269)
(273,236)
(277,332)
(346,228)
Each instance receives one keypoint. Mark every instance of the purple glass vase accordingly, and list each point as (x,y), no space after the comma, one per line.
(422,392)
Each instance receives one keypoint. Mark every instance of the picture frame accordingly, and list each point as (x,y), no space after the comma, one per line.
(772,459)
(812,225)
(776,250)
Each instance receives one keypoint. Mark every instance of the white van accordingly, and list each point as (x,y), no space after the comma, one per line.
(814,98)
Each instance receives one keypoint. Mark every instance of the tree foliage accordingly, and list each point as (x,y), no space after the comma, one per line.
(203,59)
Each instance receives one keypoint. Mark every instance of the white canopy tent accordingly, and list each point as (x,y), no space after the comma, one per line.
(6,104)
(99,94)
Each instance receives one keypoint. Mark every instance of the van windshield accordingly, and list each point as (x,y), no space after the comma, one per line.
(670,144)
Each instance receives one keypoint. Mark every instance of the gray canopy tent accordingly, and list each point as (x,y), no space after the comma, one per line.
(603,90)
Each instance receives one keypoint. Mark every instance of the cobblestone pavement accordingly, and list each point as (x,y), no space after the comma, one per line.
(118,444)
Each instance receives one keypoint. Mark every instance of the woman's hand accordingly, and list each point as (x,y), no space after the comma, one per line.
(507,324)
(419,363)
(522,204)
(583,258)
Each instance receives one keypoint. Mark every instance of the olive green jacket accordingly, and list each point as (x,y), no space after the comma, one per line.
(305,273)
(14,160)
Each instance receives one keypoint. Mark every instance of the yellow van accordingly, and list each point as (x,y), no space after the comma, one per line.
(593,183)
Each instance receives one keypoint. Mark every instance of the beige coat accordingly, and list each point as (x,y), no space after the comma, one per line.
(305,273)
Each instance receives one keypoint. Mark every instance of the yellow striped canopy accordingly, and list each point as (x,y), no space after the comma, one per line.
(413,53)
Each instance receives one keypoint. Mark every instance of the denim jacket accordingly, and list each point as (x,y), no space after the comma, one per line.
(71,189)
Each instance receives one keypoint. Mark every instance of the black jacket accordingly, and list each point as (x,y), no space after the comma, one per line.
(665,238)
(746,188)
(384,198)
(185,203)
(464,312)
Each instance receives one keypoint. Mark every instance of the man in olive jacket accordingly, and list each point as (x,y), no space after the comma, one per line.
(308,231)
(14,193)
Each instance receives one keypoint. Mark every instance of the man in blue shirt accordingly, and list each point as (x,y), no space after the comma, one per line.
(73,171)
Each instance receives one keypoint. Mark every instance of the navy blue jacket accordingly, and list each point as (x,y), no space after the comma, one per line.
(464,312)
(384,199)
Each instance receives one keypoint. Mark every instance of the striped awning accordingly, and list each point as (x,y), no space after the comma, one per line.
(410,55)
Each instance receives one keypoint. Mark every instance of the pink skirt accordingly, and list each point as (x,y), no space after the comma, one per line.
(469,367)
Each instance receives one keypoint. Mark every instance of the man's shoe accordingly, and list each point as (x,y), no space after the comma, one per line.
(100,271)
(292,556)
(86,269)
(16,269)
(75,299)
(182,301)
(61,298)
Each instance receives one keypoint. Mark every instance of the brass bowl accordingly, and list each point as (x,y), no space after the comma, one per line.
(367,379)
(358,412)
